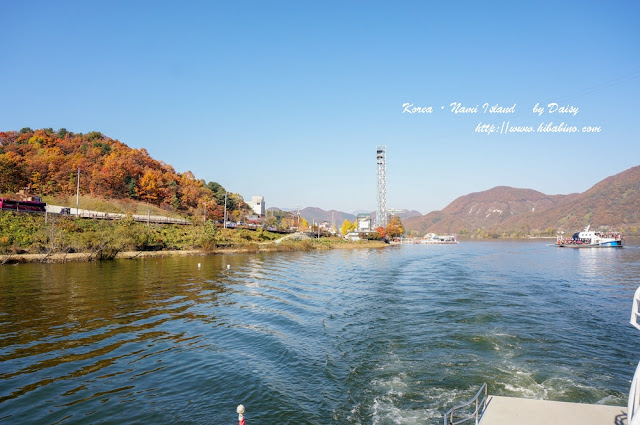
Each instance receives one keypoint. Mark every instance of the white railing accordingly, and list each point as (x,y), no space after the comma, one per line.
(635,310)
(633,406)
(477,414)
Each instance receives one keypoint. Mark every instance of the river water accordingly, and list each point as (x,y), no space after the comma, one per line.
(381,336)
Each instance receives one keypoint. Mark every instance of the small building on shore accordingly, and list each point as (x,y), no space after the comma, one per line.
(363,223)
(257,204)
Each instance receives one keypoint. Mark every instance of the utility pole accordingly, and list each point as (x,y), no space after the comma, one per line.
(333,220)
(78,193)
(225,209)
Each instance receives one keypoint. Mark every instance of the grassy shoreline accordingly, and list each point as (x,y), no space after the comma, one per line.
(36,238)
(305,245)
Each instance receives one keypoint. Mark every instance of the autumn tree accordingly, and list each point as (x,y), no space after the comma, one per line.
(348,226)
(150,186)
(394,227)
(272,221)
(11,172)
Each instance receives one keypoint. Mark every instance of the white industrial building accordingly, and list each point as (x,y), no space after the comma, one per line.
(363,223)
(257,205)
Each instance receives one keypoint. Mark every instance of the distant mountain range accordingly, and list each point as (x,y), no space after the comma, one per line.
(320,215)
(614,202)
(338,217)
(403,216)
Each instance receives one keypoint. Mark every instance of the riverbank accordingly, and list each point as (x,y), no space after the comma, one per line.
(289,246)
(34,238)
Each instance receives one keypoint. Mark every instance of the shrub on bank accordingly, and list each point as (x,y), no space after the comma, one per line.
(23,232)
(19,231)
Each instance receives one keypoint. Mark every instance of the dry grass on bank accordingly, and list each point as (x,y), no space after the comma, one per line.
(289,246)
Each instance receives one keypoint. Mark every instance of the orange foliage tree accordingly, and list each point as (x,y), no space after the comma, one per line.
(394,227)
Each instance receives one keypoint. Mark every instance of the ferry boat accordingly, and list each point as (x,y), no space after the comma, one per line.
(432,238)
(591,239)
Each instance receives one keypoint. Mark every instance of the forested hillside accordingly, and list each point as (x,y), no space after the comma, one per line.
(48,162)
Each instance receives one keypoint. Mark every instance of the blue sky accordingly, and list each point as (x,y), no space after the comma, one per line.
(289,99)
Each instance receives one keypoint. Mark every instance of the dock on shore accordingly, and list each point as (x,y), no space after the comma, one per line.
(520,411)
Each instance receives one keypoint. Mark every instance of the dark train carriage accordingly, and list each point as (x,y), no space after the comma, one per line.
(22,206)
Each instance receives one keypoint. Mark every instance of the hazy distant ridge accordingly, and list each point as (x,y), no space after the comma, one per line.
(338,217)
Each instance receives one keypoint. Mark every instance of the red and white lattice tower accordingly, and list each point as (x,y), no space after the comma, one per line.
(381,160)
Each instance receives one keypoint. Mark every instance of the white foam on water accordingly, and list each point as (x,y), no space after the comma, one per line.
(520,382)
(385,409)
(611,400)
(395,386)
(385,412)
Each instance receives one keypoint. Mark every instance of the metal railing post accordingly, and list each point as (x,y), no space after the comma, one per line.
(448,417)
(476,411)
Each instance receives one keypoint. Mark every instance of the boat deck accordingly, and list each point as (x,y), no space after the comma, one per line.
(520,411)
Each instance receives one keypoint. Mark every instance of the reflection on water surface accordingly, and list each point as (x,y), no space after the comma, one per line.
(364,336)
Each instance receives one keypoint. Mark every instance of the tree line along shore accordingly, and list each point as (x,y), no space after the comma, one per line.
(35,238)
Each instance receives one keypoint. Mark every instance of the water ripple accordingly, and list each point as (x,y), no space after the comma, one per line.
(392,336)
